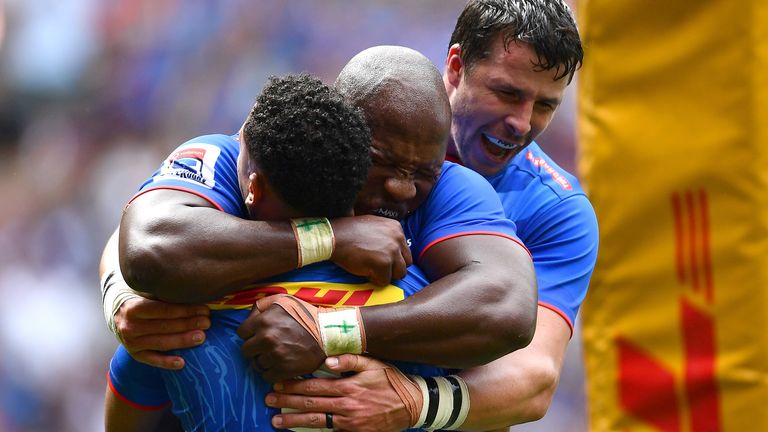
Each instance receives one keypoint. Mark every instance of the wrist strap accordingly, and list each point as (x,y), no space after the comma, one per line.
(445,402)
(314,240)
(115,292)
(408,391)
(337,331)
(341,331)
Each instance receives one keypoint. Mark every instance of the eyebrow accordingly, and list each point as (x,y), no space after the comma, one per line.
(507,87)
(552,101)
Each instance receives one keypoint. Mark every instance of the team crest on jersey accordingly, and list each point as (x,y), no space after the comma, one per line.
(192,162)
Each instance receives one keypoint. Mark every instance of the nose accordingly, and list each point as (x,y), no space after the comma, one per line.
(400,188)
(518,122)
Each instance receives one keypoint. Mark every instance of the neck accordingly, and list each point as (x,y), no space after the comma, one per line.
(451,154)
(450,148)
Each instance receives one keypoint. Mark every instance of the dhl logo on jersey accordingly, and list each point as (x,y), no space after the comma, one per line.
(328,294)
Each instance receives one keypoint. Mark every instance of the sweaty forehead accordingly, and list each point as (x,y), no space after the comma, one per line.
(515,67)
(408,116)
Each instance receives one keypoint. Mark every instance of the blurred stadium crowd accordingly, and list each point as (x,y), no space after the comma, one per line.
(93,95)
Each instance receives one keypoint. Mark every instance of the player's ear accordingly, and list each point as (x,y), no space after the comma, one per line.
(255,189)
(454,65)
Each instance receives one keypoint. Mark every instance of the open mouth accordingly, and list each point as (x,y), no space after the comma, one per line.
(498,142)
(498,148)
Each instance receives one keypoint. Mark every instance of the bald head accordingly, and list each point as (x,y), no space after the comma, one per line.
(399,89)
(405,104)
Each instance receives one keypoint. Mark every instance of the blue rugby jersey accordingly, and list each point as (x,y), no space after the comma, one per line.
(557,224)
(461,203)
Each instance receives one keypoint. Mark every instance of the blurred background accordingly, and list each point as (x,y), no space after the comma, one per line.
(93,96)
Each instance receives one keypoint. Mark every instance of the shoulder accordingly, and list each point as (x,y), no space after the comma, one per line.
(202,145)
(205,166)
(205,150)
(461,203)
(456,179)
(533,165)
(459,189)
(533,182)
(540,196)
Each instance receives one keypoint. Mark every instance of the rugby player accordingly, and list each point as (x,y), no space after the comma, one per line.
(507,67)
(451,224)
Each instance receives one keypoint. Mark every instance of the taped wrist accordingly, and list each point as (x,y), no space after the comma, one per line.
(341,331)
(114,292)
(445,402)
(337,331)
(408,391)
(314,240)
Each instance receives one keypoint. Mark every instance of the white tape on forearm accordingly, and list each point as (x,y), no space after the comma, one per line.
(340,332)
(444,407)
(424,400)
(115,292)
(464,394)
(314,240)
(444,404)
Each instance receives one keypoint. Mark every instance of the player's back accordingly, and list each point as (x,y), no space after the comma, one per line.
(218,389)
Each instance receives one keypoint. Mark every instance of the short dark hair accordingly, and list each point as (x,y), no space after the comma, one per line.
(546,25)
(312,144)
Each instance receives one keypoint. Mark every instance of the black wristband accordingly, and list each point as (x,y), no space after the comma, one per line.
(457,399)
(434,401)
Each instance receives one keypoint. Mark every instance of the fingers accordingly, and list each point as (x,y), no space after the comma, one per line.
(251,324)
(252,346)
(401,263)
(353,363)
(406,252)
(159,360)
(399,269)
(315,420)
(159,342)
(134,327)
(310,387)
(304,403)
(395,267)
(381,277)
(152,309)
(263,303)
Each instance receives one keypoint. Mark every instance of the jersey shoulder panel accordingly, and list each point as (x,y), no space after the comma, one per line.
(460,203)
(556,222)
(535,163)
(205,166)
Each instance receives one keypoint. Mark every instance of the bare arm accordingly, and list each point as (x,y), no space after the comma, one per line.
(481,306)
(530,375)
(366,401)
(177,247)
(146,327)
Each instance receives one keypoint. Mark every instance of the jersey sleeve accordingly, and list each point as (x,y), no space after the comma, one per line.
(461,203)
(564,249)
(137,384)
(205,166)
